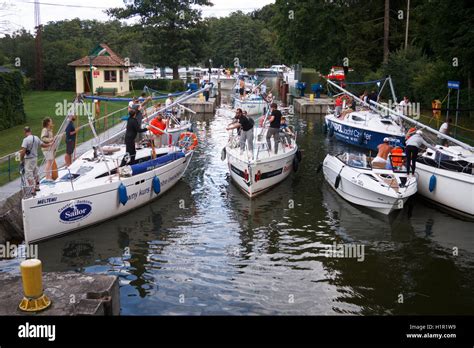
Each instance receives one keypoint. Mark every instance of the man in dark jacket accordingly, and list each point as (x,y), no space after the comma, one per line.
(133,128)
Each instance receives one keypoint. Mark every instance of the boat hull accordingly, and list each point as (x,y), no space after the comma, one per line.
(357,136)
(253,107)
(354,189)
(46,217)
(454,191)
(272,172)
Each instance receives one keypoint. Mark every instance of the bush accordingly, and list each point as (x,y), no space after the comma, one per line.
(177,86)
(159,84)
(12,112)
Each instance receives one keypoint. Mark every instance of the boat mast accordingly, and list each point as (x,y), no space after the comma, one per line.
(395,113)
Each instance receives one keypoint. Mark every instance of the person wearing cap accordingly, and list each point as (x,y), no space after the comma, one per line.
(384,149)
(29,158)
(413,145)
(70,139)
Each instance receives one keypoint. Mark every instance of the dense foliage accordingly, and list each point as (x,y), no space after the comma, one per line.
(316,33)
(11,99)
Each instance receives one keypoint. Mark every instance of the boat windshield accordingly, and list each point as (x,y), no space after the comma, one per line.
(355,160)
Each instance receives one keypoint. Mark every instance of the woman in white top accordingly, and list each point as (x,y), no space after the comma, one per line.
(48,138)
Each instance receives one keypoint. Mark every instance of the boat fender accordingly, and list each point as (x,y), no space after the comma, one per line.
(432,185)
(156,184)
(223,154)
(122,191)
(295,164)
(298,156)
(338,179)
(331,130)
(361,138)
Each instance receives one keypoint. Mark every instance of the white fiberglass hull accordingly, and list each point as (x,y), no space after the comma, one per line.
(453,191)
(48,216)
(252,106)
(358,188)
(255,177)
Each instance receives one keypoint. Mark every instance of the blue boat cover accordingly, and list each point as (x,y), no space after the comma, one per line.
(155,163)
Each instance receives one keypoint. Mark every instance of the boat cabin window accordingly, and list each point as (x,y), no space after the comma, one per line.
(73,176)
(357,118)
(386,122)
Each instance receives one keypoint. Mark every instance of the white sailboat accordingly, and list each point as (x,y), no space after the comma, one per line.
(382,190)
(95,187)
(446,177)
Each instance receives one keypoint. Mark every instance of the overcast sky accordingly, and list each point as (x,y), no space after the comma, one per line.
(15,14)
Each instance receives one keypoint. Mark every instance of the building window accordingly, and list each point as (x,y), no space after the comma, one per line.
(110,76)
(121,75)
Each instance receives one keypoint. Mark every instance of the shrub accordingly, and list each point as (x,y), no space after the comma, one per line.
(12,112)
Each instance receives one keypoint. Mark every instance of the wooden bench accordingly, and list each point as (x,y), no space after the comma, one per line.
(103,90)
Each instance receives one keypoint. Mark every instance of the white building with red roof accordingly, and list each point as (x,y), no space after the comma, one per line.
(109,72)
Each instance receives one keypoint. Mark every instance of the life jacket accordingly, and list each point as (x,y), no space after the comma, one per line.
(397,156)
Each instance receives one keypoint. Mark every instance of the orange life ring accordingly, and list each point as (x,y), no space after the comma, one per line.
(188,140)
(397,157)
(347,98)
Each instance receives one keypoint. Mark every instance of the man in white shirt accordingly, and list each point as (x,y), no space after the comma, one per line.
(444,129)
(404,105)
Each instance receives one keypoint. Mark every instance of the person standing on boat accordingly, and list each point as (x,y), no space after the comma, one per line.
(139,110)
(158,126)
(242,88)
(263,91)
(48,138)
(413,145)
(245,125)
(286,131)
(380,161)
(444,129)
(29,159)
(133,129)
(70,140)
(168,102)
(404,105)
(274,129)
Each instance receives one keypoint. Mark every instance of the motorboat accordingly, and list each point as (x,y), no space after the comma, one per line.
(273,71)
(354,178)
(252,103)
(260,170)
(364,128)
(446,177)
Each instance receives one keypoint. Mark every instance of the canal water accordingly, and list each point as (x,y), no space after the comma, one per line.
(205,248)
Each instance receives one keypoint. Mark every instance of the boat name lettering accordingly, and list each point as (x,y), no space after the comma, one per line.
(47,200)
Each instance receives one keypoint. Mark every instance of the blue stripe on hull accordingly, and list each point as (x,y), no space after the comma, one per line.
(362,137)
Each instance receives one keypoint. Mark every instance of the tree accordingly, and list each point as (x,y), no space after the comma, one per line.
(173,29)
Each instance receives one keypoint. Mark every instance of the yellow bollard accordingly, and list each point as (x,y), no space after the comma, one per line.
(34,300)
(311,97)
